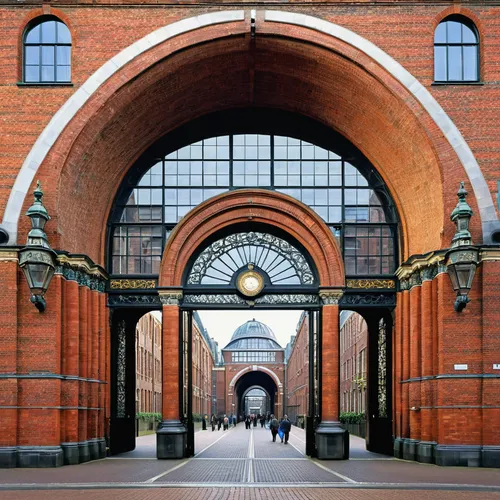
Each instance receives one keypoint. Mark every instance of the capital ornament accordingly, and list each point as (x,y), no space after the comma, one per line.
(170,297)
(330,297)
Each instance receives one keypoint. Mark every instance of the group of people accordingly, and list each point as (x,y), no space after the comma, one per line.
(222,421)
(279,428)
(252,419)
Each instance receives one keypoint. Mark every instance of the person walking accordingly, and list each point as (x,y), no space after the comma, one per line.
(286,426)
(247,422)
(226,423)
(234,420)
(213,421)
(274,425)
(219,423)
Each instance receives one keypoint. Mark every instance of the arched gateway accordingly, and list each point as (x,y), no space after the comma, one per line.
(364,228)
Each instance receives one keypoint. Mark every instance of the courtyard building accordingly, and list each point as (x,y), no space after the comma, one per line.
(322,157)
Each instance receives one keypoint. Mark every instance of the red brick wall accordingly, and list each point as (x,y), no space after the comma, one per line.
(436,401)
(297,372)
(353,349)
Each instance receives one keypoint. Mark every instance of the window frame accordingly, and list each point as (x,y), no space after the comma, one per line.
(464,21)
(348,184)
(38,21)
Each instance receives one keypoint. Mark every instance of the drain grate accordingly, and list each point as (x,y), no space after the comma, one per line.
(207,471)
(292,471)
(226,449)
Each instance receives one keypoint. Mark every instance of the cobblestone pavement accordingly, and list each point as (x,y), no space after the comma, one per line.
(241,464)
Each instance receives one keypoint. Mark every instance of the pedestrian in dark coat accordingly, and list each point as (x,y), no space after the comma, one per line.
(213,421)
(247,422)
(219,423)
(274,425)
(286,426)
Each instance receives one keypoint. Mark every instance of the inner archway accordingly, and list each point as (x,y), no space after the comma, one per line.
(256,381)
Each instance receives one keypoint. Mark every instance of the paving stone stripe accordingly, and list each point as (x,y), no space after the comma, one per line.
(208,471)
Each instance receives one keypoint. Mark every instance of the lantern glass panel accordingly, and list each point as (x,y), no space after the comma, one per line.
(453,276)
(472,272)
(463,272)
(38,222)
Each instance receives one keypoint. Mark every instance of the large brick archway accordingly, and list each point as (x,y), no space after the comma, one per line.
(314,72)
(302,65)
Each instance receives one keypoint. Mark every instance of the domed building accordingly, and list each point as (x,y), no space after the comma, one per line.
(253,372)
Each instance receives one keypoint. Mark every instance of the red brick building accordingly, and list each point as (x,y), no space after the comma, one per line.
(178,148)
(297,373)
(353,362)
(148,363)
(204,352)
(253,359)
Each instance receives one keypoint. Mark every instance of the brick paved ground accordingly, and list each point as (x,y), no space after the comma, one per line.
(240,464)
(247,493)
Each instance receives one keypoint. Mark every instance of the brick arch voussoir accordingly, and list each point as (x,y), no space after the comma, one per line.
(259,206)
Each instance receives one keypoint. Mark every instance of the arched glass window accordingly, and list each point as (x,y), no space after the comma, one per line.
(456,51)
(47,52)
(353,203)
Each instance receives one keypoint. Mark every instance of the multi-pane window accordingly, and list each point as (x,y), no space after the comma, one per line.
(345,196)
(253,356)
(47,52)
(456,51)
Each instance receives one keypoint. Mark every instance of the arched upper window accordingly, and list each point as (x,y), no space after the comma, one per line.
(456,51)
(47,52)
(353,203)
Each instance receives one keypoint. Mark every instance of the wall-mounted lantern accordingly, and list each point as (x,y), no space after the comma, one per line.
(462,258)
(37,259)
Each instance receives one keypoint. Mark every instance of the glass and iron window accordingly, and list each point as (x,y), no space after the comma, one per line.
(253,356)
(353,202)
(456,51)
(253,343)
(47,52)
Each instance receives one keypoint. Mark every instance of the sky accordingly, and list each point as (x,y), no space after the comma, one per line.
(222,324)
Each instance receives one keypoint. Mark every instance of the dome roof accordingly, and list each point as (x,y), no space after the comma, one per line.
(253,335)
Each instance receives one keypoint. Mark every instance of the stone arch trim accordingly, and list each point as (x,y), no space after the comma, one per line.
(259,206)
(100,78)
(257,368)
